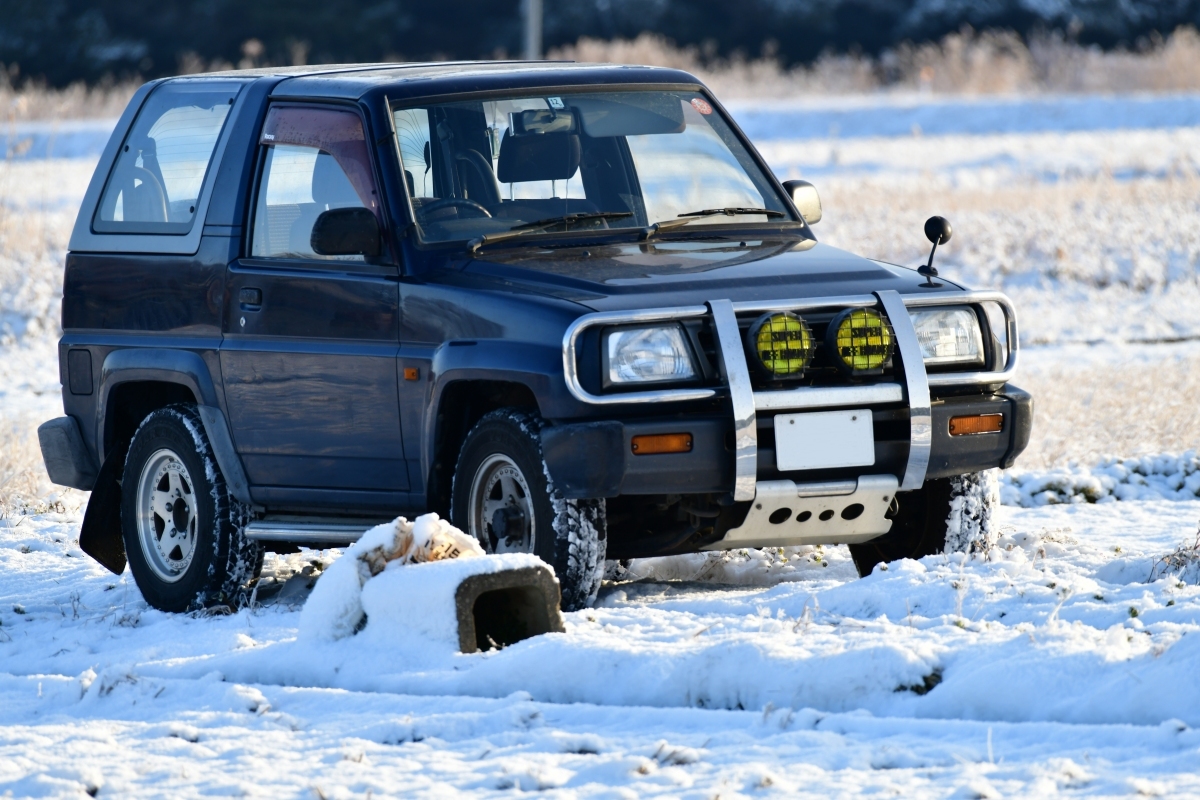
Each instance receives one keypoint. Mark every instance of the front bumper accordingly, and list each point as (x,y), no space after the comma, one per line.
(734,454)
(596,459)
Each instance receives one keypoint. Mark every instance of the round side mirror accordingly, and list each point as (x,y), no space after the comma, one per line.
(937,230)
(805,199)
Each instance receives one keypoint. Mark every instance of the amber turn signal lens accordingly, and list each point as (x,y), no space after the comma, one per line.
(662,443)
(976,423)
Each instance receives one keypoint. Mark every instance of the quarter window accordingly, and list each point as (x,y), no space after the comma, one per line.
(156,183)
(316,160)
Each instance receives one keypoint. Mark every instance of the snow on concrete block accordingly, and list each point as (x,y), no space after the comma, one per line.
(334,609)
(463,604)
(425,581)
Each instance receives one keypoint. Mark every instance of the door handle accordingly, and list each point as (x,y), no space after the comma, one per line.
(250,298)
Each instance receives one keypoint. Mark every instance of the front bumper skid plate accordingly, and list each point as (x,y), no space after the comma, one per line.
(785,513)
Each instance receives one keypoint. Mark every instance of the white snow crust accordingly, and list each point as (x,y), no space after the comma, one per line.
(752,667)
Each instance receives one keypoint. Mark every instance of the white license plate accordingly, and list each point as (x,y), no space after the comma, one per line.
(824,440)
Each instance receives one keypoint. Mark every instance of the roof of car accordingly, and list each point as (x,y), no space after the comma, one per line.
(400,80)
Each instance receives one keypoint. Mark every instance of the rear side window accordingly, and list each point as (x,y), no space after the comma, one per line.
(155,185)
(316,160)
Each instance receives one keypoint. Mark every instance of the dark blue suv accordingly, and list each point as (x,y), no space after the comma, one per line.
(567,306)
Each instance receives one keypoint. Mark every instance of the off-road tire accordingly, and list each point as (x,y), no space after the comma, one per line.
(948,515)
(569,535)
(222,560)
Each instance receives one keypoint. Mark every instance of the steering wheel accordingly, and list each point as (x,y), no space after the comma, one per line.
(456,202)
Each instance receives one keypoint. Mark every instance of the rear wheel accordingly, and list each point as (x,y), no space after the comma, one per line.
(503,496)
(184,533)
(948,515)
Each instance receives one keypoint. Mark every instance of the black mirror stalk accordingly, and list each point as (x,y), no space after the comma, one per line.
(938,231)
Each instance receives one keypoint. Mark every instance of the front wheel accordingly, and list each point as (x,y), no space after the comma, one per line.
(183,531)
(504,497)
(948,515)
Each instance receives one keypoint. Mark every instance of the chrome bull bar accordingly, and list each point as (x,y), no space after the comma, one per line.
(746,403)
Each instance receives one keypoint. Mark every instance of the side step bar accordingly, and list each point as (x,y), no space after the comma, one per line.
(339,530)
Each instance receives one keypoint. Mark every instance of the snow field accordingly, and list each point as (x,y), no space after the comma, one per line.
(800,680)
(1162,477)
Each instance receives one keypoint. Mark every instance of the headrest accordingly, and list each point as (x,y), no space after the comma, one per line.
(538,157)
(330,186)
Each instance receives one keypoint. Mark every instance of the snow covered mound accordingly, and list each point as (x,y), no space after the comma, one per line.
(1166,476)
(335,608)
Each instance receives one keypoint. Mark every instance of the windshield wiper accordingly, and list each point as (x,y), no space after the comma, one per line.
(692,216)
(542,224)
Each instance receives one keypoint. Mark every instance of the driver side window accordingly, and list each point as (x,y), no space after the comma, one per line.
(316,161)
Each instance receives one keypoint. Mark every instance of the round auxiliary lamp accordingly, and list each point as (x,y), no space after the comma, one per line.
(861,341)
(782,344)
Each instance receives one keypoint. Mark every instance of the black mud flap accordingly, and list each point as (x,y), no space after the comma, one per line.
(100,536)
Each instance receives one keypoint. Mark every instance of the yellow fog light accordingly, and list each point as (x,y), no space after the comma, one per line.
(861,339)
(782,343)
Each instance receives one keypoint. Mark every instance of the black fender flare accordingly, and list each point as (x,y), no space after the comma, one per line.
(185,368)
(100,535)
(537,366)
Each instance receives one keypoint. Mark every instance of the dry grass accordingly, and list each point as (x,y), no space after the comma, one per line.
(33,101)
(37,211)
(1128,408)
(961,63)
(24,485)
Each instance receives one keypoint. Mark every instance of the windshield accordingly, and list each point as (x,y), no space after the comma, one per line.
(586,161)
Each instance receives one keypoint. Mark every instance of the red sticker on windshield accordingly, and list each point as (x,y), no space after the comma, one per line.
(701,105)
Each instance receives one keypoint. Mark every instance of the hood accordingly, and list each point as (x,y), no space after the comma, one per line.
(624,276)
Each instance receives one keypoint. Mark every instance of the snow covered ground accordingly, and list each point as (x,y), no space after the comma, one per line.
(1053,668)
(1062,664)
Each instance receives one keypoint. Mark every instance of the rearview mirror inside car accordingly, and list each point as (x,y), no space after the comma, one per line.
(542,120)
(805,198)
(346,232)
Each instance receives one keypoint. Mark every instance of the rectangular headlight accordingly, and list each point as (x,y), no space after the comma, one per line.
(646,355)
(948,335)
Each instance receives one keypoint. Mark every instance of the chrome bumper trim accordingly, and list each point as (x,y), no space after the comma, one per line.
(916,384)
(829,397)
(732,357)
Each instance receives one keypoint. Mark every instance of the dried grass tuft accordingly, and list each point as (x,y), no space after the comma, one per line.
(1183,563)
(35,101)
(24,485)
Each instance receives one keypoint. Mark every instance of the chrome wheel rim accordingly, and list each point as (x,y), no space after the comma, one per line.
(501,507)
(166,515)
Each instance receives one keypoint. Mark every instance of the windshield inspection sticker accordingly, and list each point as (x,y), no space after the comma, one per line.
(556,102)
(701,105)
